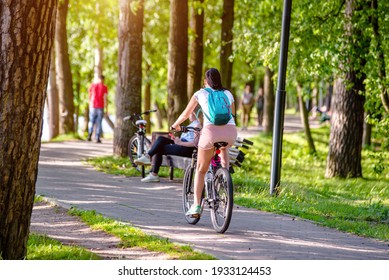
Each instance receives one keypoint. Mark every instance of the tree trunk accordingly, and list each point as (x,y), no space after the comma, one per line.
(98,69)
(129,88)
(178,59)
(161,114)
(367,129)
(86,119)
(226,43)
(64,75)
(304,121)
(268,113)
(148,104)
(344,156)
(330,90)
(77,99)
(195,69)
(53,100)
(25,47)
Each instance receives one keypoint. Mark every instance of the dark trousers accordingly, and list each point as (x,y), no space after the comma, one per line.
(165,146)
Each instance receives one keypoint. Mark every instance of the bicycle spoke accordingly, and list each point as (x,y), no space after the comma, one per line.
(222,211)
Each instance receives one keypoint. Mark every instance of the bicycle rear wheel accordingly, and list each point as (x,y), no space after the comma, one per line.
(188,193)
(221,213)
(133,151)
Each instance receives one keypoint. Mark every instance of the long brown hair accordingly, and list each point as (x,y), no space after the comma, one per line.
(214,79)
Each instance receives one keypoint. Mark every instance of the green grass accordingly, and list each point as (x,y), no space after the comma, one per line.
(360,205)
(41,247)
(132,237)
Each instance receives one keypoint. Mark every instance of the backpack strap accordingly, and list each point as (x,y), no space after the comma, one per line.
(210,91)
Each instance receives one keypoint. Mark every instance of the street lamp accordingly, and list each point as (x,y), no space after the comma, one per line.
(278,127)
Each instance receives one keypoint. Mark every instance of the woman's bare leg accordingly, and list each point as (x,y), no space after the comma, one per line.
(203,161)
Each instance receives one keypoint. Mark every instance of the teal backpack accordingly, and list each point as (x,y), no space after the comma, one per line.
(219,107)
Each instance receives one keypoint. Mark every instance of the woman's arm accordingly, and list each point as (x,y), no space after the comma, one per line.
(186,113)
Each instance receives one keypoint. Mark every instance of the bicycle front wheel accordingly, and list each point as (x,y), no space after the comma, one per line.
(188,193)
(133,146)
(221,212)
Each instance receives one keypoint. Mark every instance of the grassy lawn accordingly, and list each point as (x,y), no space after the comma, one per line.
(360,206)
(41,247)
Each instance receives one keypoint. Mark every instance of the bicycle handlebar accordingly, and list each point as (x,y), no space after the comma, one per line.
(186,129)
(138,116)
(148,112)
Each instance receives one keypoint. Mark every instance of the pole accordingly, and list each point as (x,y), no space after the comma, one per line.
(280,101)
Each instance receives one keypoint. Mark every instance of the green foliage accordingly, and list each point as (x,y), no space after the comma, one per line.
(133,237)
(44,248)
(91,23)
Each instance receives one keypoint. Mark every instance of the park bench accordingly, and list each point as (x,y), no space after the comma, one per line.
(236,156)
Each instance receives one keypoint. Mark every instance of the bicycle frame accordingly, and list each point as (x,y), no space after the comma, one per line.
(136,144)
(141,124)
(217,193)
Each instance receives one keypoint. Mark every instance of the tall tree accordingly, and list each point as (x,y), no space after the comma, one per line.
(226,42)
(129,88)
(196,49)
(268,112)
(26,39)
(64,75)
(344,156)
(304,119)
(178,59)
(52,100)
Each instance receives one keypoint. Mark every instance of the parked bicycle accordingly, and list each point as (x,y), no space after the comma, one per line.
(139,144)
(218,189)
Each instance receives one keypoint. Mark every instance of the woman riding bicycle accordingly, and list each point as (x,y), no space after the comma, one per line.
(210,133)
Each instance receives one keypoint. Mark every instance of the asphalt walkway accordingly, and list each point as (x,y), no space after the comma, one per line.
(156,208)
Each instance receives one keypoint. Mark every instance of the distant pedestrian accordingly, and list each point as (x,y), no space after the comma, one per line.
(260,102)
(97,102)
(246,104)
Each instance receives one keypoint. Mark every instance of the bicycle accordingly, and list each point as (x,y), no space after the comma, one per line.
(218,189)
(139,144)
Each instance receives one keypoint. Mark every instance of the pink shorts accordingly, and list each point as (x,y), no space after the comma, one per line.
(217,133)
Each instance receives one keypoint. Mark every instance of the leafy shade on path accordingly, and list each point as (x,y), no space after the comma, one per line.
(101,237)
(357,205)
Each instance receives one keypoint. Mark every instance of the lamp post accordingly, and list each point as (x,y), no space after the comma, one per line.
(280,101)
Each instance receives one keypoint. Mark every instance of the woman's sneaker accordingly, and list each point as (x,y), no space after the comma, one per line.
(194,211)
(143,160)
(150,178)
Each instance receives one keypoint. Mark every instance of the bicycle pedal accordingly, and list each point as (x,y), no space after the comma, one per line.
(195,216)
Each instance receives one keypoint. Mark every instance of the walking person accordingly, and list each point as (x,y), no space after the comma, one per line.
(210,133)
(97,102)
(182,146)
(260,101)
(246,104)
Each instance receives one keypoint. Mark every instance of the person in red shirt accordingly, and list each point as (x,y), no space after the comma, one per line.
(97,102)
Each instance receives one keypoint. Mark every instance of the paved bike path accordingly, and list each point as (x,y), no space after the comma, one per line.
(156,208)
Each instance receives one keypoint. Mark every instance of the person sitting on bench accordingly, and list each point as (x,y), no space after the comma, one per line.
(182,146)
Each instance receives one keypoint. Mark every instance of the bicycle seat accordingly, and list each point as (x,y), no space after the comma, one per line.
(218,145)
(138,122)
